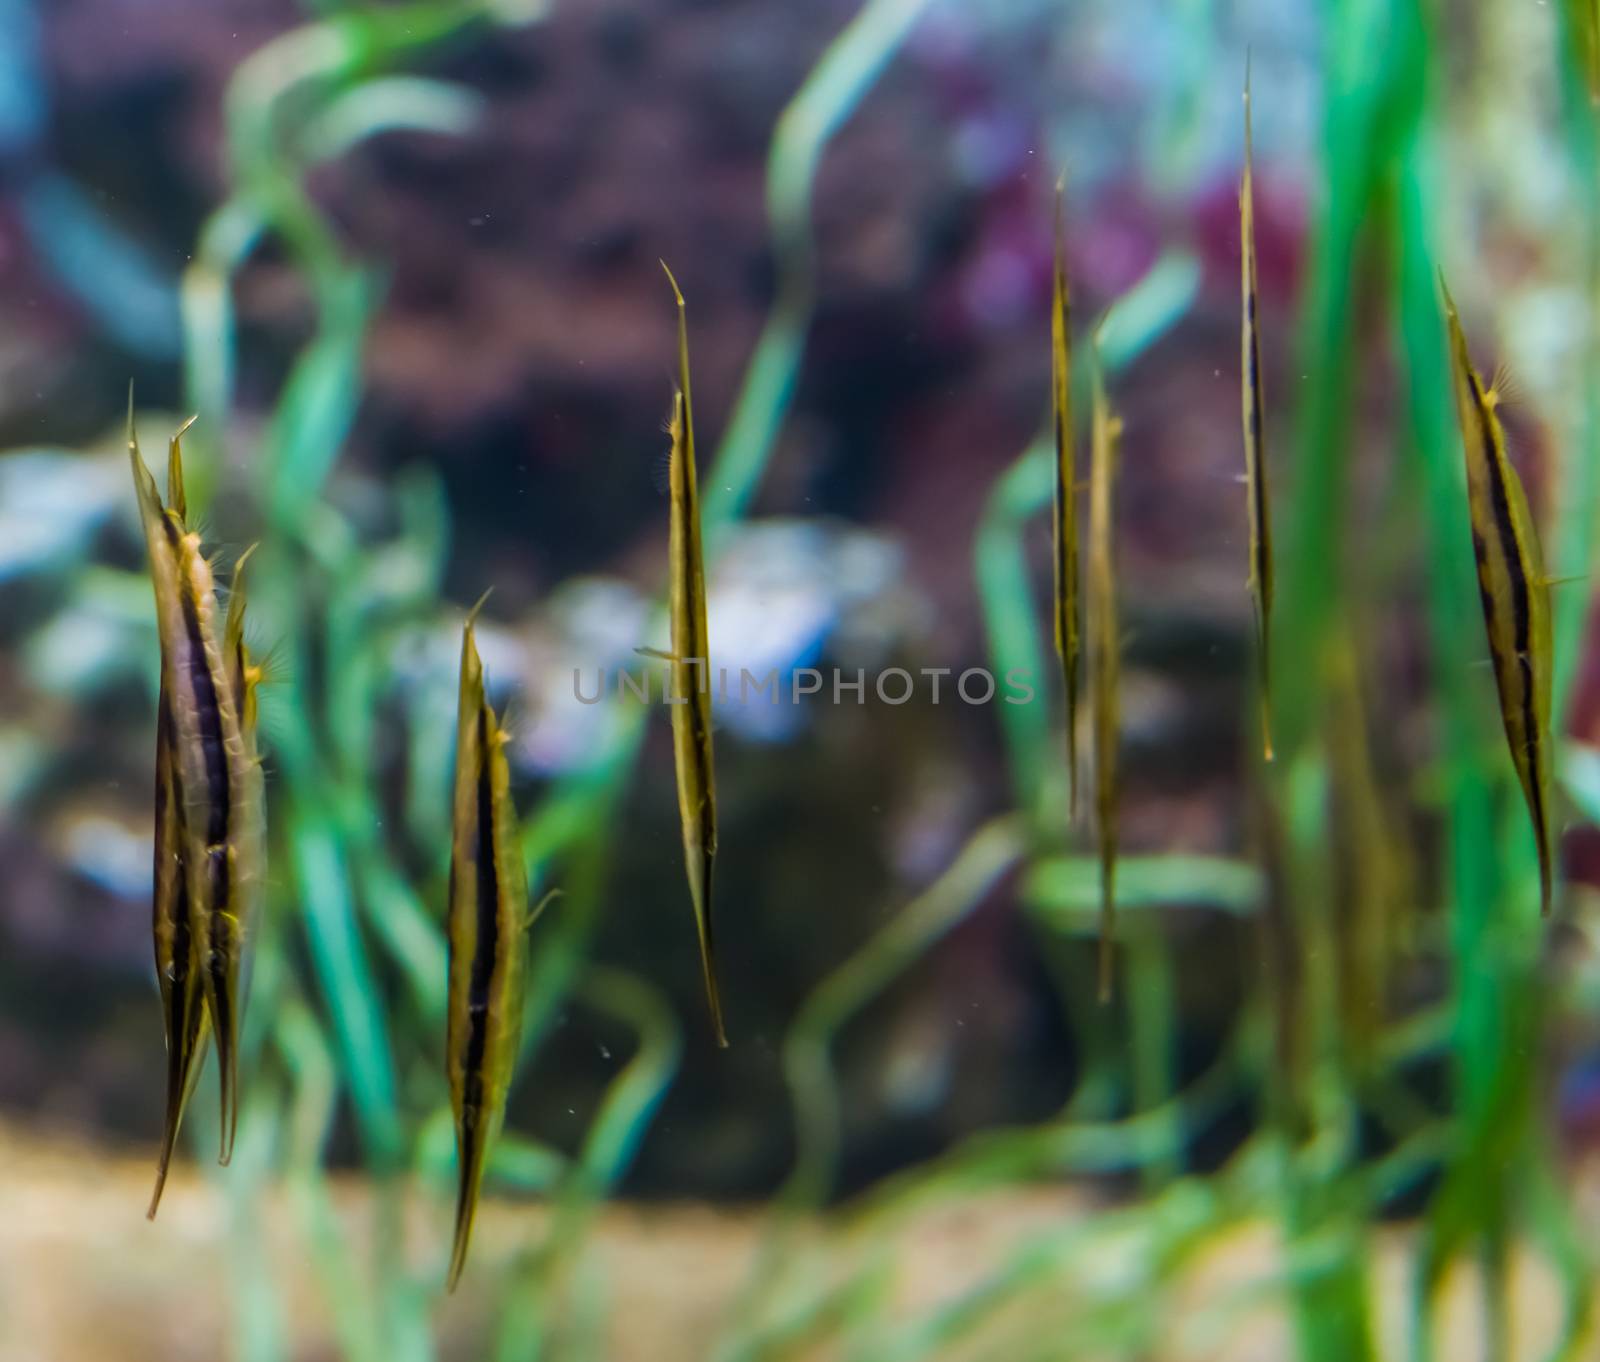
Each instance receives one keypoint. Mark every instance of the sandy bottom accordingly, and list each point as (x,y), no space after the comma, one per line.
(85,1278)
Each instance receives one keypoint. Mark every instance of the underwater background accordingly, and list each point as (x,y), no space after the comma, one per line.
(402,261)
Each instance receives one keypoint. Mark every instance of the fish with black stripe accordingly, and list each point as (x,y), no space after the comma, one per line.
(1255,461)
(247,819)
(1512,586)
(690,661)
(176,955)
(1064,503)
(488,918)
(216,781)
(1105,647)
(222,828)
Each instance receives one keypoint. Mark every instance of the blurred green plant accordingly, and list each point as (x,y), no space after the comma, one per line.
(1097,1283)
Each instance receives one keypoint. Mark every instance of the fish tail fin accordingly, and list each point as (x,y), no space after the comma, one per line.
(228,1082)
(1072,741)
(1266,694)
(471,1145)
(177,1084)
(183,1070)
(230,1106)
(1535,788)
(1108,916)
(713,995)
(168,1139)
(1546,871)
(1072,771)
(700,865)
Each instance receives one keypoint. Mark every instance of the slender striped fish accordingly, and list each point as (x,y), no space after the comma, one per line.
(488,917)
(247,829)
(1255,463)
(1064,518)
(1104,648)
(177,960)
(691,671)
(221,851)
(222,827)
(1513,587)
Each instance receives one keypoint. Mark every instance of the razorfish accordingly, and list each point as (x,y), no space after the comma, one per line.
(248,821)
(1064,512)
(488,917)
(1512,586)
(177,961)
(1104,648)
(214,785)
(221,783)
(1255,464)
(690,667)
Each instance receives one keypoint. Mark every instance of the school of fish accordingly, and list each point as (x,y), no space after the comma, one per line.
(210,832)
